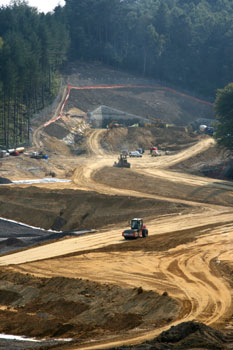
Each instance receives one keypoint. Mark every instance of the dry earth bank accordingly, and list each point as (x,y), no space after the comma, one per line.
(74,209)
(134,288)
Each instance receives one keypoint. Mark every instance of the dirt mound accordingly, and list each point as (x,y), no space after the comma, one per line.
(219,170)
(185,336)
(187,330)
(121,178)
(216,162)
(56,130)
(73,209)
(67,136)
(171,138)
(35,306)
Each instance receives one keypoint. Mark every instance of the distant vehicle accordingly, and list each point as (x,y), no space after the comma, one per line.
(13,152)
(135,154)
(140,150)
(39,155)
(138,229)
(20,149)
(208,130)
(153,148)
(155,153)
(114,124)
(122,162)
(4,154)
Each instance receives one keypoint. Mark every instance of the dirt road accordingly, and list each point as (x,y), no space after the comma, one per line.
(188,272)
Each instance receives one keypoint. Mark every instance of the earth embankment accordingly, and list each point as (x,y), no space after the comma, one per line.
(93,287)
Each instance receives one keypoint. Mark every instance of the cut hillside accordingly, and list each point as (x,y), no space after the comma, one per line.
(216,163)
(73,209)
(121,178)
(153,101)
(171,138)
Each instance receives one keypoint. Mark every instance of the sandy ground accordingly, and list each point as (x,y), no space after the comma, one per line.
(187,272)
(113,292)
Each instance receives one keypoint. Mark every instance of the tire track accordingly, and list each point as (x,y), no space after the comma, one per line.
(185,272)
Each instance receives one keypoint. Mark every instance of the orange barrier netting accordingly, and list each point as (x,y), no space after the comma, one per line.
(70,87)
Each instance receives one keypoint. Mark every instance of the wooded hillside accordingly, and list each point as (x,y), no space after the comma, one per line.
(32,48)
(187,45)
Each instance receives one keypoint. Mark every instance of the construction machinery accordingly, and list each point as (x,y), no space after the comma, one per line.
(155,123)
(122,162)
(39,155)
(155,153)
(138,230)
(114,124)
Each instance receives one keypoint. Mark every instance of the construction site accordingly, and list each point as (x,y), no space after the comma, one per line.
(69,278)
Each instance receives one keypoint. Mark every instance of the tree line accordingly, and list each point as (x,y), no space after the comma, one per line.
(33,47)
(187,44)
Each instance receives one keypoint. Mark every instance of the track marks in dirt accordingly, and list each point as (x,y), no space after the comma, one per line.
(184,272)
(38,132)
(93,142)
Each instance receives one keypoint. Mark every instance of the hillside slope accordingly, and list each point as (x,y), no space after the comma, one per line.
(97,288)
(153,100)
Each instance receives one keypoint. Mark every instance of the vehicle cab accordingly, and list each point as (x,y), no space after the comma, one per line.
(136,224)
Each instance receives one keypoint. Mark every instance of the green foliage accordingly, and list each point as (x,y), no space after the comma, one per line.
(33,47)
(186,43)
(224,113)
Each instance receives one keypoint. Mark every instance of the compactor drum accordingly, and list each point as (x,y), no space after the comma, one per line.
(138,230)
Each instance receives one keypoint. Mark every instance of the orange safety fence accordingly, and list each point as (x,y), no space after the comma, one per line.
(70,87)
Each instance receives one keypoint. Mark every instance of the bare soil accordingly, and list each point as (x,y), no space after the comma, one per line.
(36,307)
(67,209)
(98,289)
(153,103)
(166,139)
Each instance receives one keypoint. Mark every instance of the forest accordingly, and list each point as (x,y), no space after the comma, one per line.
(32,49)
(184,44)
